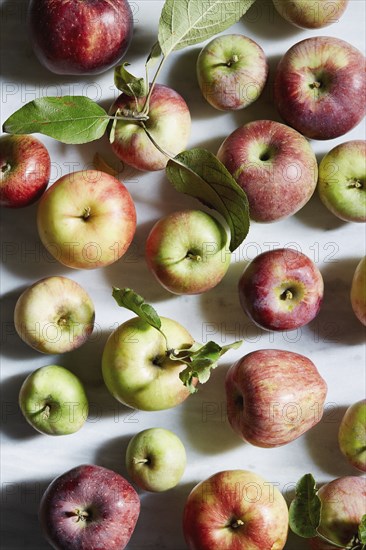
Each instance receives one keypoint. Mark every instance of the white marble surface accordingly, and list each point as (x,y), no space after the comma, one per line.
(334,341)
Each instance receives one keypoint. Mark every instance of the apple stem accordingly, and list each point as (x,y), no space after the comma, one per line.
(86,213)
(142,461)
(287,295)
(46,412)
(195,257)
(5,168)
(237,523)
(357,184)
(315,85)
(233,60)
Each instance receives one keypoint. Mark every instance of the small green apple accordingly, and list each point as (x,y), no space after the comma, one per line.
(358,291)
(156,459)
(53,401)
(188,252)
(352,435)
(342,181)
(311,14)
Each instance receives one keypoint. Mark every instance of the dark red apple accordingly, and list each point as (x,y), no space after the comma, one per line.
(89,508)
(80,36)
(274,396)
(281,289)
(320,87)
(24,170)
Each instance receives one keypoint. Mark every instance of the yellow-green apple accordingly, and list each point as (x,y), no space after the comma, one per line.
(188,252)
(311,14)
(352,435)
(235,509)
(342,181)
(89,508)
(274,396)
(343,503)
(86,219)
(80,36)
(53,401)
(275,166)
(169,124)
(281,289)
(358,291)
(136,366)
(320,87)
(54,315)
(156,459)
(25,167)
(232,70)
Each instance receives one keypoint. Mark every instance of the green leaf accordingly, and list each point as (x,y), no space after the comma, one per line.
(126,297)
(153,56)
(69,119)
(304,513)
(200,174)
(189,22)
(201,361)
(128,83)
(362,530)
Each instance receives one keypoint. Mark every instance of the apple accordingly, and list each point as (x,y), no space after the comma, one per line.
(275,166)
(82,36)
(281,289)
(358,291)
(169,124)
(232,70)
(136,368)
(320,86)
(156,459)
(235,509)
(274,396)
(54,315)
(188,252)
(311,14)
(53,401)
(342,181)
(25,167)
(352,435)
(343,505)
(89,508)
(86,219)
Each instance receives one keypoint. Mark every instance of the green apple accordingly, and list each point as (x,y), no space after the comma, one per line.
(188,252)
(352,435)
(358,291)
(53,401)
(232,70)
(342,181)
(54,315)
(136,367)
(311,14)
(156,459)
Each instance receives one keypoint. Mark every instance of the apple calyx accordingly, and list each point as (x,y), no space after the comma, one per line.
(80,515)
(200,359)
(305,516)
(5,167)
(86,213)
(236,523)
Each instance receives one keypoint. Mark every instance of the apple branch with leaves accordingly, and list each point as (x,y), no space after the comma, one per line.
(200,359)
(197,172)
(305,516)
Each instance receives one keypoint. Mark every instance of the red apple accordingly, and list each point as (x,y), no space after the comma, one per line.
(311,14)
(275,166)
(89,508)
(169,124)
(80,36)
(233,510)
(358,291)
(343,505)
(274,396)
(281,289)
(86,219)
(24,170)
(320,87)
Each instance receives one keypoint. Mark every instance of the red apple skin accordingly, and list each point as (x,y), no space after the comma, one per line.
(264,287)
(169,124)
(274,396)
(275,166)
(25,168)
(311,14)
(99,491)
(320,87)
(215,504)
(358,291)
(343,505)
(77,37)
